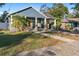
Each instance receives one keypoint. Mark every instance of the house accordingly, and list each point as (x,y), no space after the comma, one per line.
(74,22)
(39,21)
(70,22)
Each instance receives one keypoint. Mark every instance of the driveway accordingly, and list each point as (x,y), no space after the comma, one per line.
(64,49)
(68,48)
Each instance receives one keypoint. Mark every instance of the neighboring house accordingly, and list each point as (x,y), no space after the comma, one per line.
(72,22)
(64,24)
(39,21)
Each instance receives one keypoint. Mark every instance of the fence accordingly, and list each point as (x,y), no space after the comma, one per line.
(3,25)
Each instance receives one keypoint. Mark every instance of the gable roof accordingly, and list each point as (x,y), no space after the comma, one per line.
(21,10)
(31,12)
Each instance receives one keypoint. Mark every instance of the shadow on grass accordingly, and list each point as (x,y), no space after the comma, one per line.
(7,40)
(1,33)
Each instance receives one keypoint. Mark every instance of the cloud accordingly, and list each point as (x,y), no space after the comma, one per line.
(0,13)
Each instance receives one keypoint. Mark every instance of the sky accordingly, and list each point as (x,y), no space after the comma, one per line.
(13,7)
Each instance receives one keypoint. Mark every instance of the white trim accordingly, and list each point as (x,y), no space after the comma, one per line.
(36,24)
(45,24)
(10,23)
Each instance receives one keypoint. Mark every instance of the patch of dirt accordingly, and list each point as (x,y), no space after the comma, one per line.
(50,53)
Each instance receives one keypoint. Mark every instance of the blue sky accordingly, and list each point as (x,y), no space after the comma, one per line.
(12,7)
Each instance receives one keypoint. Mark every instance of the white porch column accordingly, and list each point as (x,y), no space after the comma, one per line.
(45,24)
(36,24)
(10,23)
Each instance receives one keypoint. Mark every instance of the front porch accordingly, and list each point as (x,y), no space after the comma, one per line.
(40,24)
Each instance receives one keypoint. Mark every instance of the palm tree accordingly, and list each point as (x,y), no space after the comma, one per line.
(20,22)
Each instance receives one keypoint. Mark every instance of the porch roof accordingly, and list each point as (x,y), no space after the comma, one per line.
(70,20)
(73,19)
(30,12)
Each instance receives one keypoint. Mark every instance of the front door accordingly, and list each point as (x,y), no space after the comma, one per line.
(40,24)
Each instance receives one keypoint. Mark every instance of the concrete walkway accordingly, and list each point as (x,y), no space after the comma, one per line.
(57,37)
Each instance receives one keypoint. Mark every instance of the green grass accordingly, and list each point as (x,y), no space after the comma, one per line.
(13,43)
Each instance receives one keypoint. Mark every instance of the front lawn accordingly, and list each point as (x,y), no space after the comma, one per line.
(13,43)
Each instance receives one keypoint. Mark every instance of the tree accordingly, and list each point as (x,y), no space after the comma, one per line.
(20,22)
(43,8)
(76,9)
(4,16)
(1,4)
(76,6)
(70,15)
(58,10)
(58,23)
